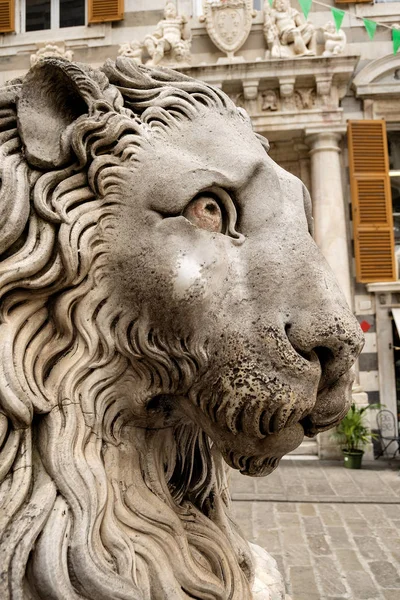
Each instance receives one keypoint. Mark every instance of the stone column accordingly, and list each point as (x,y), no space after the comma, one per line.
(330,223)
(328,205)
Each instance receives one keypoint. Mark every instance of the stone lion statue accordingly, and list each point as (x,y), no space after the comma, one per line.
(163,311)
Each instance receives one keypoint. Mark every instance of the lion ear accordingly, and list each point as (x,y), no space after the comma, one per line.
(54,94)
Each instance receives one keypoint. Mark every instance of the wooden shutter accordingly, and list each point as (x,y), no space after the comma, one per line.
(352,1)
(105,10)
(372,201)
(7,18)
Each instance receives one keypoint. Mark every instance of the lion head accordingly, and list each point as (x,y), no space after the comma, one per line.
(163,306)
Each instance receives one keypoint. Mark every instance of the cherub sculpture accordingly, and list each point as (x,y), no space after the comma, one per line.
(171,40)
(335,41)
(286,31)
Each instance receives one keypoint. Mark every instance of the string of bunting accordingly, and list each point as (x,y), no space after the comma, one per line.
(338,16)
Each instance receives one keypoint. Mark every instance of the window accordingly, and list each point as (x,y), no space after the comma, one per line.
(53,14)
(394,174)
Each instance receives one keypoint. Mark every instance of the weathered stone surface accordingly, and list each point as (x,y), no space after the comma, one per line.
(385,574)
(362,586)
(303,583)
(163,308)
(329,576)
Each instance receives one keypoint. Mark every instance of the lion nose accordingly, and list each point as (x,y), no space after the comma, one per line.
(335,344)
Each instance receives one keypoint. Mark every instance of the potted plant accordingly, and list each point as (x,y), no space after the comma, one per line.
(353,435)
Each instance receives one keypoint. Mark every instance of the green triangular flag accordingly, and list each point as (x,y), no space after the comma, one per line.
(305,6)
(338,16)
(370,26)
(396,40)
(271,2)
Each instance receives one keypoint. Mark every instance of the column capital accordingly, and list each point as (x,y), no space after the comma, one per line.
(324,141)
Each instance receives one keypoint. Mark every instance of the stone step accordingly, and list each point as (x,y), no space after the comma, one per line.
(306,448)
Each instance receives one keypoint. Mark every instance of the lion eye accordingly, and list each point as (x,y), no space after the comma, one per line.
(205,212)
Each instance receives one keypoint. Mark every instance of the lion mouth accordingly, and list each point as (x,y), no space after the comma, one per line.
(256,448)
(251,437)
(332,404)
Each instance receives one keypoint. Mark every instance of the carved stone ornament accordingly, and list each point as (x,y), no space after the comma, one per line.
(228,23)
(305,98)
(150,336)
(51,50)
(132,50)
(269,100)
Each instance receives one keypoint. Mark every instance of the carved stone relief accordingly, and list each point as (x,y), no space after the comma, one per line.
(228,23)
(269,100)
(286,98)
(147,335)
(305,98)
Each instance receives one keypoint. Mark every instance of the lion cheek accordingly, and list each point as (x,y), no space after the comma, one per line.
(188,278)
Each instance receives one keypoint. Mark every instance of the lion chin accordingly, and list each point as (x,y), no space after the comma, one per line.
(259,455)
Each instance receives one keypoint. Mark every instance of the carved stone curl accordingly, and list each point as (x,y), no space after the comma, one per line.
(164,311)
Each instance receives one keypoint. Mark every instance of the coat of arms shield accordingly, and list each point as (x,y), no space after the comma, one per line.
(228,23)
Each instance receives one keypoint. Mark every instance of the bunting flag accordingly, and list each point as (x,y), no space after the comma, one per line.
(338,16)
(305,6)
(396,40)
(370,26)
(271,2)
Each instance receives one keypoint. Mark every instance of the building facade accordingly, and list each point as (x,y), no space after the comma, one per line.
(328,101)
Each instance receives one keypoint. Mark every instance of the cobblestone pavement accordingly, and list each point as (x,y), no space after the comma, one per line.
(334,532)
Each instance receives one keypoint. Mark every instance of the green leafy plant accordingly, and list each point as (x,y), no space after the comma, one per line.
(352,433)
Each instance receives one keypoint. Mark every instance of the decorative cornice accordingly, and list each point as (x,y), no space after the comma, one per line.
(300,94)
(340,67)
(368,82)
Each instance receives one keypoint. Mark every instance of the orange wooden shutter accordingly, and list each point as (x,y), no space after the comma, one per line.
(105,10)
(7,18)
(372,201)
(351,1)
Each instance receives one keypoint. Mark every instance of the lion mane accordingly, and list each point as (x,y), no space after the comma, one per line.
(72,525)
